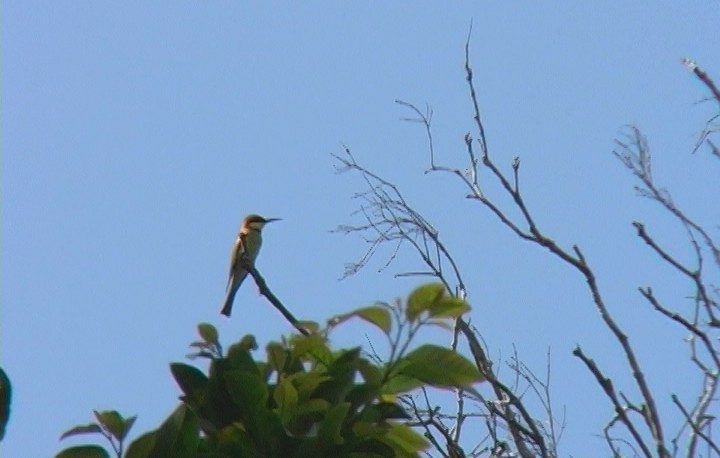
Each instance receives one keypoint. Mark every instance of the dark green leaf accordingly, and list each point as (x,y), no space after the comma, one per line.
(84,451)
(370,372)
(5,399)
(276,356)
(178,436)
(307,382)
(129,422)
(112,421)
(311,406)
(331,426)
(247,390)
(383,411)
(342,372)
(142,446)
(191,381)
(373,448)
(92,428)
(240,358)
(362,393)
(235,442)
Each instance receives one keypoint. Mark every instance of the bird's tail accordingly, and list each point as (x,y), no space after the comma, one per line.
(229,298)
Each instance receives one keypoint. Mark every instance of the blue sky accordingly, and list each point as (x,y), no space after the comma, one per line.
(136,135)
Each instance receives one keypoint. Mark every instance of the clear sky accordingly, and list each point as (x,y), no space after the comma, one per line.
(136,135)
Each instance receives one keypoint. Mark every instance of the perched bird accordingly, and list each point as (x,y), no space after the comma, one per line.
(247,244)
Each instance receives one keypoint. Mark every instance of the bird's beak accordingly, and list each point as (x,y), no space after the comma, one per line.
(270,220)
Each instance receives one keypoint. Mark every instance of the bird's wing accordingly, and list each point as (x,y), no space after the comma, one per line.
(235,256)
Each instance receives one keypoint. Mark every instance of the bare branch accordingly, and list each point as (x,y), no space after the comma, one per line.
(265,291)
(609,390)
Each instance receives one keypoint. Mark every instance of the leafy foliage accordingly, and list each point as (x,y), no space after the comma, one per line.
(305,399)
(5,397)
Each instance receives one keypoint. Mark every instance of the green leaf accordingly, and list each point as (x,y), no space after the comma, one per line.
(331,426)
(342,372)
(307,382)
(312,346)
(5,399)
(92,428)
(247,390)
(439,323)
(191,381)
(208,333)
(439,366)
(400,383)
(112,421)
(450,307)
(285,397)
(240,358)
(422,298)
(248,342)
(381,411)
(374,448)
(311,326)
(362,393)
(276,356)
(235,441)
(142,446)
(178,436)
(311,406)
(404,439)
(375,314)
(129,422)
(84,451)
(370,372)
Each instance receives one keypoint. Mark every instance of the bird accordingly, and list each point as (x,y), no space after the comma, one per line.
(247,244)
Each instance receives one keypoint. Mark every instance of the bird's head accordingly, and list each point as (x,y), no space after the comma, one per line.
(256,222)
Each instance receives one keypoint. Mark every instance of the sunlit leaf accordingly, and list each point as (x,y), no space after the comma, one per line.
(404,438)
(208,333)
(440,366)
(307,382)
(311,326)
(375,314)
(276,355)
(450,307)
(422,298)
(285,396)
(331,426)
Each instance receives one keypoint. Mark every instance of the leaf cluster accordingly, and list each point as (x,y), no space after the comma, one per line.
(304,400)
